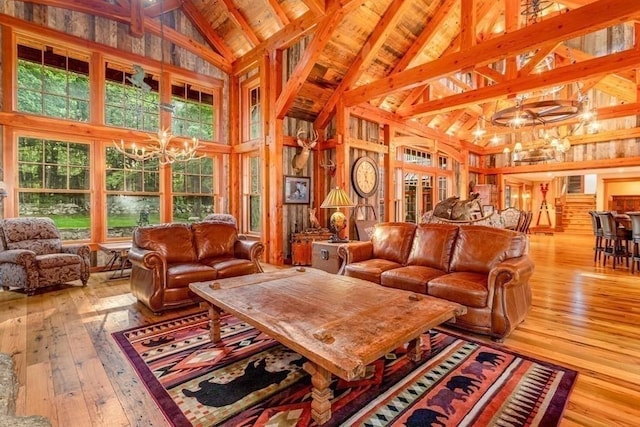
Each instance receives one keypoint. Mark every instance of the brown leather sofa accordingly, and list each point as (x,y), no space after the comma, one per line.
(165,258)
(483,268)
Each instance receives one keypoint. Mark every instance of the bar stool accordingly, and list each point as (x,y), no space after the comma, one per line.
(598,249)
(635,240)
(614,238)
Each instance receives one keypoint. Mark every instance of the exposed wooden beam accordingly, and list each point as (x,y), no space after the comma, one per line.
(159,8)
(541,54)
(317,7)
(468,23)
(490,73)
(572,24)
(278,12)
(297,29)
(238,18)
(571,73)
(90,7)
(136,27)
(189,44)
(364,57)
(204,28)
(308,60)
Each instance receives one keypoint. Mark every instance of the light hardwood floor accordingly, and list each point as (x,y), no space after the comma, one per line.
(70,370)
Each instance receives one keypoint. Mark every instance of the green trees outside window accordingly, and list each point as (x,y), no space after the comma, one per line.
(193,189)
(133,193)
(128,106)
(53,84)
(54,180)
(193,113)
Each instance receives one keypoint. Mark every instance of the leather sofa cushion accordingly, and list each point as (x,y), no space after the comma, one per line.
(231,267)
(370,269)
(392,241)
(214,240)
(432,245)
(412,278)
(465,288)
(479,248)
(173,241)
(180,275)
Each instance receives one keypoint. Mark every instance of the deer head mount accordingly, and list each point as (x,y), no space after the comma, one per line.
(301,158)
(330,168)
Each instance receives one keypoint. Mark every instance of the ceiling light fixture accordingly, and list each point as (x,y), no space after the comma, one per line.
(161,146)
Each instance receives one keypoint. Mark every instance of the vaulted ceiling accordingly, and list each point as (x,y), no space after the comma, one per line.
(442,63)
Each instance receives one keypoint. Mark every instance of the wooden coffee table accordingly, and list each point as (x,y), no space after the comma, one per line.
(339,323)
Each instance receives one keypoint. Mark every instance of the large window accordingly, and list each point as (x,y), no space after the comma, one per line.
(193,112)
(443,188)
(54,181)
(252,197)
(129,105)
(193,189)
(255,113)
(133,193)
(52,82)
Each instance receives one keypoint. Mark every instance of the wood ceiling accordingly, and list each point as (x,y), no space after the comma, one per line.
(443,63)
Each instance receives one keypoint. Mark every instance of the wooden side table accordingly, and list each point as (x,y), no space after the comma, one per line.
(119,252)
(325,256)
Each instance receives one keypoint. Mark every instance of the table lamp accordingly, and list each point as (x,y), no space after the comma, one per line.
(337,198)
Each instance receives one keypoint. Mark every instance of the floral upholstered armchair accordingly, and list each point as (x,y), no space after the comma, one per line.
(32,255)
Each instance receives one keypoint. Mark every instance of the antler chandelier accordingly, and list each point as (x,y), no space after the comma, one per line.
(159,148)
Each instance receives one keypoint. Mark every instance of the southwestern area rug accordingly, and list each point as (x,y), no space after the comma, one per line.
(250,380)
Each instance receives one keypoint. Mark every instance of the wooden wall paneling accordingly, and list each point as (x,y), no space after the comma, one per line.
(390,164)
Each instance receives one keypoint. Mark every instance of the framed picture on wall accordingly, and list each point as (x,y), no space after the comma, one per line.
(297,189)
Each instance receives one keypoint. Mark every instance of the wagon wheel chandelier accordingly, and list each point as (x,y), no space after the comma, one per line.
(537,113)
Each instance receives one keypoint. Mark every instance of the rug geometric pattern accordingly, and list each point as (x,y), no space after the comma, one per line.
(250,380)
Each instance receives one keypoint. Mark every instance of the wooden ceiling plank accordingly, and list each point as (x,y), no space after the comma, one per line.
(240,21)
(297,29)
(313,51)
(279,13)
(571,24)
(136,26)
(542,53)
(570,73)
(367,53)
(426,35)
(189,44)
(204,28)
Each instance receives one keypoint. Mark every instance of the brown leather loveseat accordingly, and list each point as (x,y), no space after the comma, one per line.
(483,268)
(165,258)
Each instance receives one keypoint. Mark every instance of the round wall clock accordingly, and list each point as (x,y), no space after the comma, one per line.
(365,176)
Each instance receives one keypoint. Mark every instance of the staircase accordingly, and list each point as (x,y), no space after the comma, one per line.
(575,217)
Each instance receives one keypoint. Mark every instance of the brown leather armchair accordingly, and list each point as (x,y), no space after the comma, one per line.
(165,258)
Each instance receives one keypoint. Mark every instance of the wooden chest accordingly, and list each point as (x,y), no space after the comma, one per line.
(325,256)
(301,246)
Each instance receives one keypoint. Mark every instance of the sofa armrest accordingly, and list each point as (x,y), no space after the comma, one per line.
(510,294)
(354,252)
(148,260)
(82,250)
(23,257)
(251,250)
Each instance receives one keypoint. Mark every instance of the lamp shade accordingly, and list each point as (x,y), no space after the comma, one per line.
(337,198)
